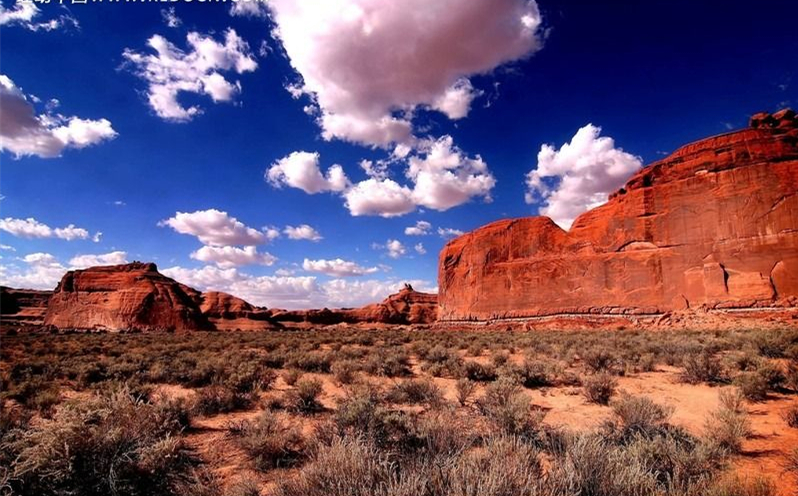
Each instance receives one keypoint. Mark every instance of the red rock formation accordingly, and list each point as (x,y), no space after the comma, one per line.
(124,297)
(229,313)
(405,307)
(23,306)
(715,225)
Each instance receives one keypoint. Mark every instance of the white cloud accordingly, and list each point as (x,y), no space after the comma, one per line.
(419,247)
(24,132)
(445,177)
(441,176)
(214,227)
(271,232)
(579,176)
(113,258)
(231,256)
(291,292)
(367,64)
(337,268)
(7,248)
(249,8)
(43,271)
(32,228)
(385,198)
(393,248)
(448,232)
(303,231)
(455,103)
(301,170)
(170,18)
(422,228)
(171,71)
(25,11)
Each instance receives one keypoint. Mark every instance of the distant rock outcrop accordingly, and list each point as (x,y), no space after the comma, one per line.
(408,306)
(714,225)
(23,306)
(132,297)
(229,313)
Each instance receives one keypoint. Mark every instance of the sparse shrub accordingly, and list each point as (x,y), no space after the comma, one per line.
(772,375)
(637,415)
(505,405)
(415,391)
(113,445)
(269,441)
(304,398)
(216,398)
(465,388)
(499,358)
(703,367)
(345,371)
(291,376)
(737,486)
(389,363)
(732,399)
(791,376)
(753,386)
(599,388)
(243,487)
(479,372)
(790,416)
(792,461)
(599,359)
(536,374)
(727,428)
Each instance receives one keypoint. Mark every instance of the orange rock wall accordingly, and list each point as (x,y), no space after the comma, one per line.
(714,224)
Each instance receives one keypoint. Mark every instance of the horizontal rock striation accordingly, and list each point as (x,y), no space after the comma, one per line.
(714,225)
(23,306)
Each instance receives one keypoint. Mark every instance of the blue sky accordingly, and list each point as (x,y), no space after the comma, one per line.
(461,107)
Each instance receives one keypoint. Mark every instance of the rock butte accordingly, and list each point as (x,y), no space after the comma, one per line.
(714,225)
(136,297)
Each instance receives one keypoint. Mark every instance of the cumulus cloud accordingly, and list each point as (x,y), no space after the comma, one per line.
(93,260)
(441,177)
(303,231)
(25,14)
(444,177)
(385,198)
(301,170)
(393,248)
(367,65)
(31,228)
(448,232)
(25,132)
(214,227)
(422,228)
(298,292)
(579,176)
(232,256)
(44,271)
(170,71)
(419,247)
(337,268)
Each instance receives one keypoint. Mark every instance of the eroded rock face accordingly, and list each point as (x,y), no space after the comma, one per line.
(125,297)
(405,307)
(23,306)
(713,225)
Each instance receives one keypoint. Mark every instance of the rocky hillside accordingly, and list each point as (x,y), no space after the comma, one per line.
(714,225)
(23,306)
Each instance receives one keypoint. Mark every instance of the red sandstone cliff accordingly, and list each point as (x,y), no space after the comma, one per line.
(23,306)
(124,297)
(405,307)
(715,224)
(229,313)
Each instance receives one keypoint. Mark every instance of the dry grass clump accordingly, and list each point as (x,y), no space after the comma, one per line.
(345,371)
(727,426)
(304,398)
(108,445)
(509,410)
(465,389)
(479,372)
(637,416)
(269,441)
(599,388)
(790,416)
(752,385)
(703,366)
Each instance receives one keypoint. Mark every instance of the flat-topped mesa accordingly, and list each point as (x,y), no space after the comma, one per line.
(715,224)
(133,297)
